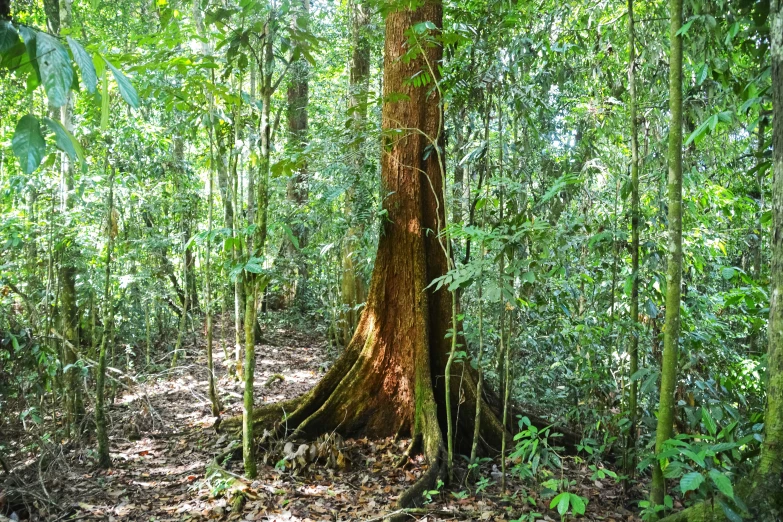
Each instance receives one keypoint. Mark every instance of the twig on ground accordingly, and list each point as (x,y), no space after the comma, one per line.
(413,512)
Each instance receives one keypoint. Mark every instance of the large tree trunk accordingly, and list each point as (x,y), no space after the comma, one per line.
(389,379)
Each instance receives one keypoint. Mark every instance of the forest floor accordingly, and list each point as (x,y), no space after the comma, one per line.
(162,438)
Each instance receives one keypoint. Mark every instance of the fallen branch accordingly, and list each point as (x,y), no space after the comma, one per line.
(273,379)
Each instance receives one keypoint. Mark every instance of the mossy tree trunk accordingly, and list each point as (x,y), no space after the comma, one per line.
(256,246)
(104,460)
(772,451)
(762,491)
(674,247)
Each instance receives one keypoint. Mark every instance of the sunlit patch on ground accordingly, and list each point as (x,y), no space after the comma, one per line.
(162,439)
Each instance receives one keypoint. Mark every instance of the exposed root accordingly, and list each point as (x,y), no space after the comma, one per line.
(266,415)
(288,415)
(413,448)
(414,495)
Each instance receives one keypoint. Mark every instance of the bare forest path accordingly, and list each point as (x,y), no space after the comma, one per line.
(163,438)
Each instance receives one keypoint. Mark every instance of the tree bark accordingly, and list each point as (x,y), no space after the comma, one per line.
(295,271)
(256,247)
(772,451)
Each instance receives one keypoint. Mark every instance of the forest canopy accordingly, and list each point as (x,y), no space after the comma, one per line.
(371,259)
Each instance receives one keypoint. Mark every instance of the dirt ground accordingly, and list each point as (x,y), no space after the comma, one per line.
(162,438)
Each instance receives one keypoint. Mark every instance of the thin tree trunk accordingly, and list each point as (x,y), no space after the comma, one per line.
(459,169)
(256,247)
(104,460)
(148,354)
(479,367)
(296,190)
(761,491)
(352,283)
(666,405)
(183,319)
(59,16)
(630,460)
(213,395)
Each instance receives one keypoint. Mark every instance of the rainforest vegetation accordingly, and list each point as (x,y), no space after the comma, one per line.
(391,260)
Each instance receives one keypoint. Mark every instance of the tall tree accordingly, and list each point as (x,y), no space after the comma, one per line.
(59,15)
(296,189)
(674,249)
(762,491)
(383,383)
(771,465)
(352,283)
(634,305)
(108,326)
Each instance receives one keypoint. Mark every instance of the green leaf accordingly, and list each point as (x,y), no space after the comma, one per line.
(126,88)
(561,501)
(708,421)
(701,75)
(684,28)
(700,130)
(724,117)
(699,459)
(55,68)
(8,36)
(723,446)
(65,140)
(722,482)
(732,515)
(691,481)
(84,61)
(673,470)
(254,267)
(577,504)
(727,273)
(28,143)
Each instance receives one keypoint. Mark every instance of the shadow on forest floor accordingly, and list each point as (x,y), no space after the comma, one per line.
(162,438)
